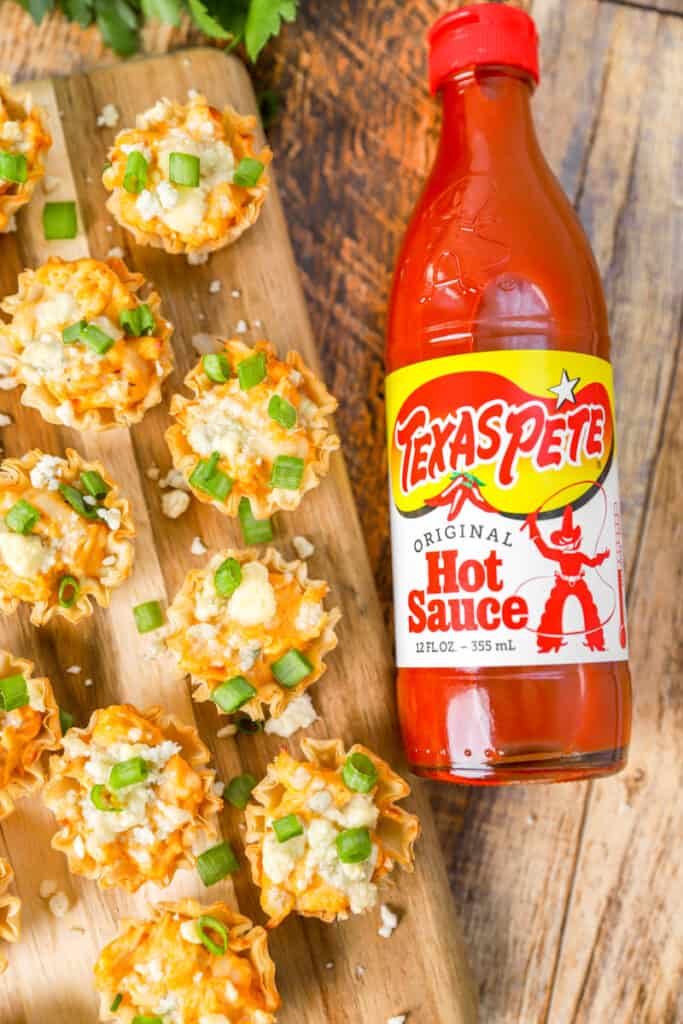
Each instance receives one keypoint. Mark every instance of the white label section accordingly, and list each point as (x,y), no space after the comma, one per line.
(485,590)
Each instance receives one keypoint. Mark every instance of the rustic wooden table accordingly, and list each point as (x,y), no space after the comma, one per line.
(568,895)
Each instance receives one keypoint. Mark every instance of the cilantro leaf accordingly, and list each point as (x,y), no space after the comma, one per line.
(230,15)
(118,23)
(166,11)
(264,20)
(80,11)
(39,8)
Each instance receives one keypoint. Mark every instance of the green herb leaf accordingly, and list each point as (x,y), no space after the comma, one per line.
(264,20)
(80,11)
(167,11)
(39,8)
(209,24)
(118,23)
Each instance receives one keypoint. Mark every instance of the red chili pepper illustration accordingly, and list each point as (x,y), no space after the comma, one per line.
(464,487)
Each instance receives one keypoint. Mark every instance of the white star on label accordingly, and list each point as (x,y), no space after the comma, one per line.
(565,390)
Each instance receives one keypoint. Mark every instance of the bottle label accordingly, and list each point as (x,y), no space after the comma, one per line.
(505,521)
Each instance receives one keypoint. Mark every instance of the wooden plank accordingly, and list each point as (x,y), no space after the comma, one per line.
(356,698)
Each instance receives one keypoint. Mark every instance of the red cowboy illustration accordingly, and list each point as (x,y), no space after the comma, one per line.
(569,582)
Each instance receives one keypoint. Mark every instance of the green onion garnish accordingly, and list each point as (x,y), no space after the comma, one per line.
(96,339)
(68,591)
(101,798)
(291,668)
(354,845)
(359,773)
(135,174)
(13,167)
(128,773)
(208,478)
(22,517)
(60,221)
(239,789)
(66,720)
(146,1018)
(216,367)
(74,497)
(118,999)
(287,828)
(282,411)
(183,169)
(287,472)
(252,371)
(95,484)
(13,693)
(248,172)
(148,616)
(205,924)
(72,333)
(138,321)
(217,863)
(232,694)
(227,577)
(254,531)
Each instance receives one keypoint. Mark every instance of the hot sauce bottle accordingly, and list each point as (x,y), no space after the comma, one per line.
(508,574)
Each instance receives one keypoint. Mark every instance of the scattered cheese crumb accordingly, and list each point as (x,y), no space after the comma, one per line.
(48,887)
(116,252)
(174,503)
(303,547)
(235,293)
(111,516)
(195,259)
(329,965)
(5,420)
(108,116)
(58,904)
(389,922)
(298,714)
(175,479)
(198,546)
(109,560)
(153,472)
(50,183)
(227,730)
(215,287)
(241,327)
(400,1019)
(359,971)
(88,682)
(218,788)
(74,670)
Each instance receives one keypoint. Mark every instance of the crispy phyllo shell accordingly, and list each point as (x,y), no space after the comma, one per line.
(108,381)
(26,732)
(23,134)
(274,609)
(257,429)
(10,911)
(162,966)
(305,873)
(200,202)
(52,556)
(125,833)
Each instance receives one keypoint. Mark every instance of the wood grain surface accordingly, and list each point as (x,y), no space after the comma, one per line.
(568,895)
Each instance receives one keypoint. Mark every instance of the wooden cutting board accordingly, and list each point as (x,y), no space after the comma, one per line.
(332,974)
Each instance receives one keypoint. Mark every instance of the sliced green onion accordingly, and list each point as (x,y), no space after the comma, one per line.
(72,333)
(291,668)
(206,477)
(96,339)
(74,497)
(216,367)
(282,411)
(137,321)
(232,694)
(183,169)
(359,773)
(248,172)
(239,789)
(146,1018)
(287,828)
(252,371)
(148,616)
(95,484)
(287,472)
(13,693)
(13,167)
(101,798)
(128,773)
(68,591)
(66,720)
(227,577)
(217,863)
(254,531)
(205,924)
(118,999)
(22,517)
(135,174)
(60,221)
(354,845)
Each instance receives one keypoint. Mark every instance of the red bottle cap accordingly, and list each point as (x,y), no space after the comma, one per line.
(481,34)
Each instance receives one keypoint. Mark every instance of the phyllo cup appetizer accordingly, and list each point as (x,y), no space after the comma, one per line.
(187,178)
(24,142)
(88,350)
(255,436)
(10,911)
(29,726)
(323,833)
(132,795)
(252,631)
(64,536)
(189,963)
